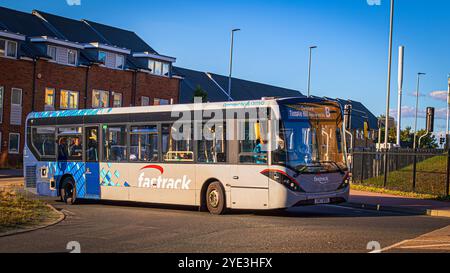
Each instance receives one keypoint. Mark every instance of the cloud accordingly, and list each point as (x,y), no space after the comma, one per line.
(73,2)
(410,112)
(439,95)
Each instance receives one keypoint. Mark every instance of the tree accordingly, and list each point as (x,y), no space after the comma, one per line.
(407,138)
(200,92)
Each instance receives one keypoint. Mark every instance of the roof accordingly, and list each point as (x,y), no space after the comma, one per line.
(23,23)
(121,38)
(216,87)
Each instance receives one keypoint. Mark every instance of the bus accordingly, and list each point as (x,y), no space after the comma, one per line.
(257,155)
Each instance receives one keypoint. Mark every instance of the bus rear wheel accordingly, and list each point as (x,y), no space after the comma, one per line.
(68,191)
(215,198)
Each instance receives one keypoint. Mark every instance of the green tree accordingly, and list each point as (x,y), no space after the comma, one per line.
(200,92)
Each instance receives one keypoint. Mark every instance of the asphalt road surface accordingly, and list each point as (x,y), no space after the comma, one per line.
(128,227)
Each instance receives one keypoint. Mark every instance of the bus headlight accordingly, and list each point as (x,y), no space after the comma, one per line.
(345,181)
(284,179)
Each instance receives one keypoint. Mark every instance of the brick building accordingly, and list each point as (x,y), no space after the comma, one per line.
(48,62)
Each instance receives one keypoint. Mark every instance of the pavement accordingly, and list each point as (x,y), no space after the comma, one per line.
(380,201)
(9,173)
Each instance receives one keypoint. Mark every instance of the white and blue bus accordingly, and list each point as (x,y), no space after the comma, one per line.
(292,152)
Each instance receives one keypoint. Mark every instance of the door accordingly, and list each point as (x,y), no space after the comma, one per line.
(92,162)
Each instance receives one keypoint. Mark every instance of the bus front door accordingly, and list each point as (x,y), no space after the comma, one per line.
(92,162)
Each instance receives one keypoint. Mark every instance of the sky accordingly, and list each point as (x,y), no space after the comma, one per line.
(351,36)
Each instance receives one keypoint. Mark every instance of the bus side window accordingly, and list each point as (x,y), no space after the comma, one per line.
(115,143)
(144,143)
(212,147)
(43,139)
(91,144)
(252,145)
(175,148)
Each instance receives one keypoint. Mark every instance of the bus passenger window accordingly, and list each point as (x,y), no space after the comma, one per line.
(144,143)
(43,139)
(92,144)
(70,144)
(175,149)
(115,143)
(212,147)
(253,146)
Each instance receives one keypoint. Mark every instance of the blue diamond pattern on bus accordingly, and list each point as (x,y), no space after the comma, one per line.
(117,173)
(70,113)
(126,184)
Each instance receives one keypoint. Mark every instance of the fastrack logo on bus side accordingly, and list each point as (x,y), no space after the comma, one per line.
(161,182)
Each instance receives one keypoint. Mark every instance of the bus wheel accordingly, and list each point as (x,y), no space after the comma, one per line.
(68,191)
(215,198)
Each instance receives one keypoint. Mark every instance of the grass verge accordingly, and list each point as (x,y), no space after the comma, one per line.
(430,178)
(19,212)
(407,194)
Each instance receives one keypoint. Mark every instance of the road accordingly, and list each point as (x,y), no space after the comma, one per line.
(129,227)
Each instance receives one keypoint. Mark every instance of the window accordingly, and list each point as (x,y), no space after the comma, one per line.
(115,143)
(151,65)
(102,56)
(51,51)
(212,147)
(100,99)
(2,47)
(119,62)
(1,103)
(14,143)
(253,147)
(91,144)
(72,57)
(165,69)
(158,68)
(145,101)
(70,146)
(177,143)
(69,99)
(157,101)
(16,96)
(117,99)
(144,143)
(44,139)
(8,48)
(50,97)
(11,49)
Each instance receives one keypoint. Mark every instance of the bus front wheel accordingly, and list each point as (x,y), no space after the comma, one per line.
(68,191)
(215,198)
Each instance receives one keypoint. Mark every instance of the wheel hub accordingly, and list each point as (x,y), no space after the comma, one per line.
(214,198)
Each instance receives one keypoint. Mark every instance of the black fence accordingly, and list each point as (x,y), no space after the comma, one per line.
(421,171)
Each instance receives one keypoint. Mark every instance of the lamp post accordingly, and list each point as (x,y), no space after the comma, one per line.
(309,69)
(388,91)
(417,106)
(447,120)
(231,60)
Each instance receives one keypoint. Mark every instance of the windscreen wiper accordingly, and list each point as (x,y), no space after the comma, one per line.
(334,163)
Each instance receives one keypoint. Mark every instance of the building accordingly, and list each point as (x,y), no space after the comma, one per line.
(49,62)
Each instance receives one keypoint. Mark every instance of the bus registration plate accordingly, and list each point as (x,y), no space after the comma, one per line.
(322,201)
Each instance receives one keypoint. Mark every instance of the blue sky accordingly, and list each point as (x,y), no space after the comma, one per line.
(351,35)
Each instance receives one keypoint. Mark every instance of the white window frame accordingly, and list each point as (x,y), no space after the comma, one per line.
(121,99)
(147,99)
(68,56)
(6,51)
(68,103)
(18,144)
(120,57)
(106,56)
(45,96)
(99,99)
(21,96)
(56,52)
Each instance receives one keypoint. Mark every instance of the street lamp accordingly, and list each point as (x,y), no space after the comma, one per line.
(309,69)
(231,61)
(447,120)
(417,106)
(388,91)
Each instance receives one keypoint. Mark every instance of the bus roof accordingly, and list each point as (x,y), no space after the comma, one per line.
(176,107)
